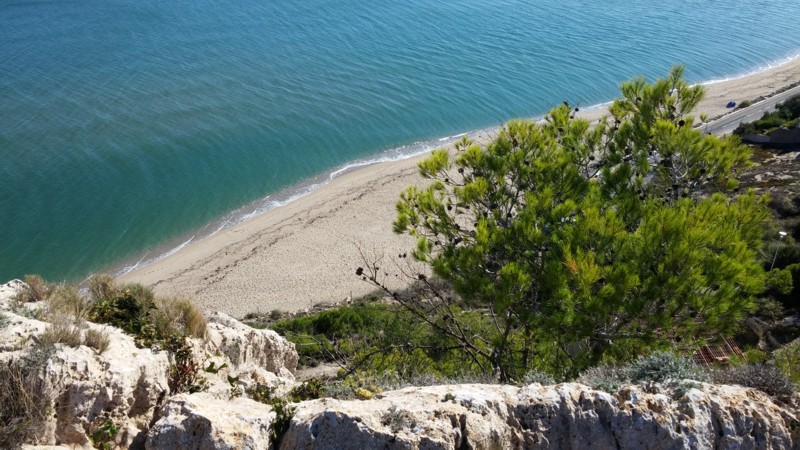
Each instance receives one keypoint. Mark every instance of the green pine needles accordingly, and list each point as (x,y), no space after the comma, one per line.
(585,243)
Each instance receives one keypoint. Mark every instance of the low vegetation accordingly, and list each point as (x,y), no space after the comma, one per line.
(786,114)
(61,331)
(766,378)
(164,323)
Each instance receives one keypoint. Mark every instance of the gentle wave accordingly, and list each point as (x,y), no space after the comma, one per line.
(306,187)
(130,124)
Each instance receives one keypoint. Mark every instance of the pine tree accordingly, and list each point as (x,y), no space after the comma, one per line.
(589,242)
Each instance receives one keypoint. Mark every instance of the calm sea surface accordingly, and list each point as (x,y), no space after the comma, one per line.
(128,127)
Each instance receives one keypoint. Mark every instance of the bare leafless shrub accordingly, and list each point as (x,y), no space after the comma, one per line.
(765,377)
(24,402)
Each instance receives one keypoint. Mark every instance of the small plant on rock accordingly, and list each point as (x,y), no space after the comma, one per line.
(537,376)
(36,289)
(604,378)
(397,419)
(102,433)
(102,286)
(183,369)
(283,412)
(179,314)
(65,300)
(308,390)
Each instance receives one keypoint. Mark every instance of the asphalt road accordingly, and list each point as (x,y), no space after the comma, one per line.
(729,122)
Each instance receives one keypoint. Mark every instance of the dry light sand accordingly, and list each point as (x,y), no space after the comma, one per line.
(306,252)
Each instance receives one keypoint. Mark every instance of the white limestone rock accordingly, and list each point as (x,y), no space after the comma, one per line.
(247,347)
(565,416)
(203,422)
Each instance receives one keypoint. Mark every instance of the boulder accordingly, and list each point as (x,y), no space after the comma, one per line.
(204,422)
(249,348)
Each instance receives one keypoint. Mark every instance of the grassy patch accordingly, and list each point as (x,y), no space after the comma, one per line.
(177,313)
(97,340)
(62,331)
(36,289)
(64,300)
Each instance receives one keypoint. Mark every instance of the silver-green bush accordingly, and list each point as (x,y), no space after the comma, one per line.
(661,366)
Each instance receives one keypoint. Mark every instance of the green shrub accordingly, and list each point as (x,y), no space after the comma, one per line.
(661,366)
(744,104)
(755,356)
(787,359)
(102,433)
(3,320)
(130,311)
(658,367)
(784,204)
(770,309)
(765,377)
(308,390)
(24,402)
(184,371)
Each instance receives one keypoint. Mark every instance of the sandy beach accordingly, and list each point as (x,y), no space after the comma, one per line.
(306,252)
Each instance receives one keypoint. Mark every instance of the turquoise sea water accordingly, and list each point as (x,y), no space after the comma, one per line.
(128,127)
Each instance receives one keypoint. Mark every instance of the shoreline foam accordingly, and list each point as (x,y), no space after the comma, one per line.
(201,268)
